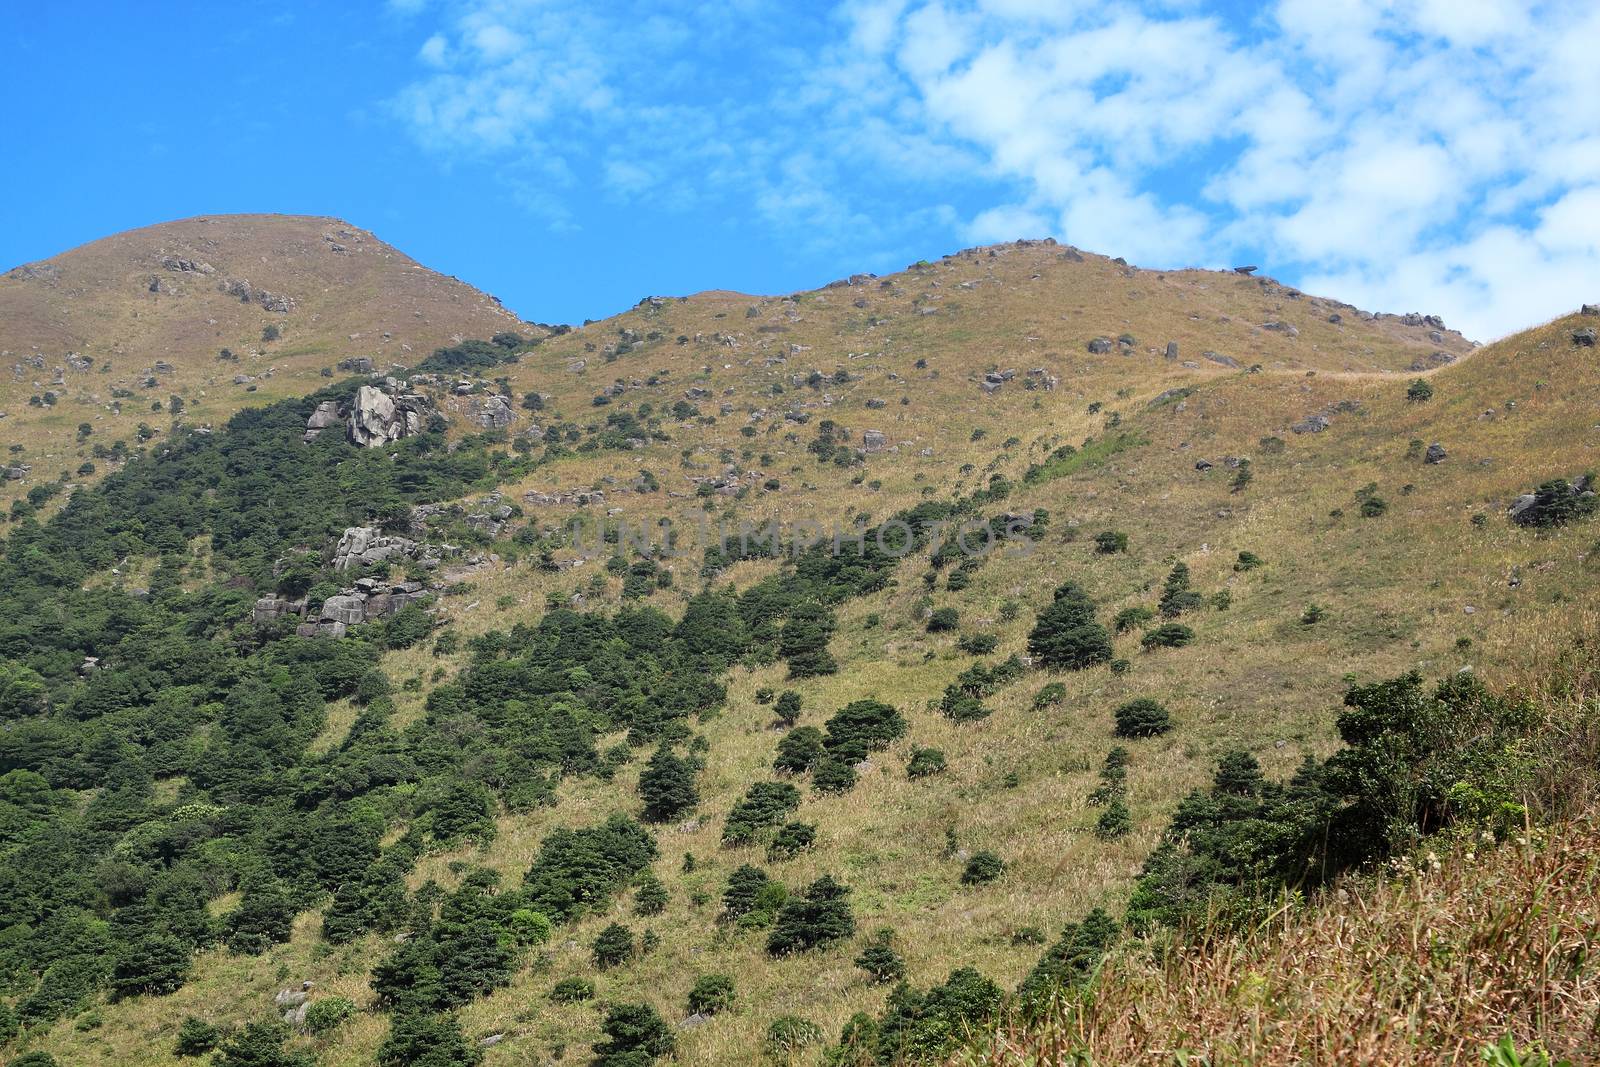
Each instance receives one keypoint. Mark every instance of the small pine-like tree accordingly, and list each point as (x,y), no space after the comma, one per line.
(925,762)
(787,707)
(1114,822)
(1110,542)
(613,946)
(982,868)
(667,786)
(635,1036)
(820,916)
(1142,718)
(799,750)
(712,993)
(1176,596)
(1167,635)
(1066,635)
(651,896)
(879,959)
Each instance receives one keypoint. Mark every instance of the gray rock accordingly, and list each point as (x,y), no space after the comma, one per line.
(1246,270)
(325,415)
(1587,309)
(699,1018)
(1219,358)
(873,441)
(1202,465)
(1336,318)
(1585,337)
(1172,350)
(1311,424)
(1521,504)
(1435,454)
(350,610)
(1100,346)
(493,412)
(357,364)
(376,418)
(268,609)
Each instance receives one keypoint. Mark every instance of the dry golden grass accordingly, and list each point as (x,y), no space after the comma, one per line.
(1397,590)
(1426,964)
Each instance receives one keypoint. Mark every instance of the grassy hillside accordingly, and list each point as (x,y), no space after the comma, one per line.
(1371,561)
(284,295)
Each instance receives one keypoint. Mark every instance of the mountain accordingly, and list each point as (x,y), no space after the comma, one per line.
(442,695)
(107,329)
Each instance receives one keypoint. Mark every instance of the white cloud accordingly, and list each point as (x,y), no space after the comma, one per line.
(1435,155)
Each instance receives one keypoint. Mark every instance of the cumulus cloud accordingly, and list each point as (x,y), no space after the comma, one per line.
(1434,155)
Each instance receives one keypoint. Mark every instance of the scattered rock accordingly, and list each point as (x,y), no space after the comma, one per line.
(873,441)
(1217,357)
(1590,309)
(1436,453)
(376,418)
(325,415)
(493,412)
(1100,346)
(1246,270)
(1311,424)
(1585,337)
(1172,350)
(356,365)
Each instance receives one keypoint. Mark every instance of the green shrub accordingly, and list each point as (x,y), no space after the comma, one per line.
(761,809)
(791,839)
(1133,618)
(788,1034)
(788,707)
(712,993)
(651,896)
(1142,717)
(1556,503)
(1248,561)
(862,727)
(1071,962)
(667,786)
(196,1037)
(1110,542)
(327,1014)
(820,916)
(572,991)
(925,762)
(1051,694)
(1313,614)
(978,644)
(1419,391)
(879,959)
(635,1036)
(1114,821)
(833,775)
(984,867)
(1176,596)
(743,890)
(1168,635)
(799,750)
(943,619)
(613,946)
(1066,635)
(1373,506)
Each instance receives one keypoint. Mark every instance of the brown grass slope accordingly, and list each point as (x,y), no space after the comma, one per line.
(1422,586)
(161,293)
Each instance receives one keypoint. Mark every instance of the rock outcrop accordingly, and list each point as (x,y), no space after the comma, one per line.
(377,419)
(492,412)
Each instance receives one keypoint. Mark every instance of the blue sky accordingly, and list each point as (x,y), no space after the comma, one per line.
(571,157)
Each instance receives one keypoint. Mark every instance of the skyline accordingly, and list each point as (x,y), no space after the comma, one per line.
(1419,156)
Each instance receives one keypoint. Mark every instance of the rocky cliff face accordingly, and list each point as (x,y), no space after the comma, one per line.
(374,418)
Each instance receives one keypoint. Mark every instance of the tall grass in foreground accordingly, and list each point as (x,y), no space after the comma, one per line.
(1465,952)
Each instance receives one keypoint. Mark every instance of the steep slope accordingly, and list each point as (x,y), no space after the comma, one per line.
(860,401)
(108,330)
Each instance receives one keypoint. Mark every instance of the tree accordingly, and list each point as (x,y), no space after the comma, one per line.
(712,993)
(635,1035)
(651,896)
(803,640)
(1110,542)
(787,707)
(613,946)
(820,916)
(792,839)
(264,917)
(799,750)
(260,1045)
(427,1040)
(924,762)
(1167,635)
(1115,821)
(196,1037)
(667,786)
(1142,717)
(155,963)
(862,727)
(1066,635)
(982,868)
(1071,961)
(763,807)
(942,620)
(1420,391)
(879,959)
(1176,596)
